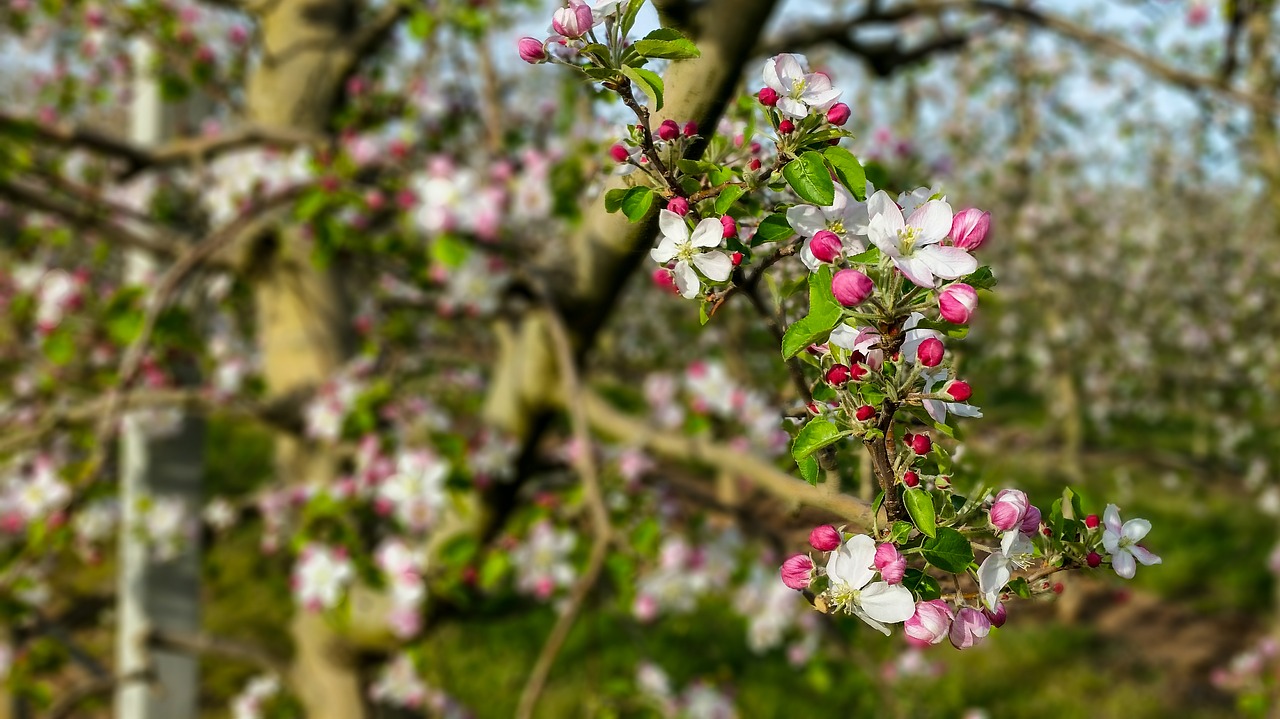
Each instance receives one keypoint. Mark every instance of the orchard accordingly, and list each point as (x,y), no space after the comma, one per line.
(738,358)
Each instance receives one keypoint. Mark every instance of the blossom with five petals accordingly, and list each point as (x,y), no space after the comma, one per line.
(1121,541)
(797,90)
(913,243)
(850,571)
(686,248)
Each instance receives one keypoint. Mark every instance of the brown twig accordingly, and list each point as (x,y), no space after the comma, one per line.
(71,700)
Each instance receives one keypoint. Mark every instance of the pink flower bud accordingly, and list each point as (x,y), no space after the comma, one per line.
(865,412)
(786,127)
(911,479)
(1091,521)
(969,228)
(797,572)
(663,278)
(839,114)
(921,444)
(959,390)
(1009,509)
(825,538)
(851,287)
(826,246)
(857,372)
(619,153)
(930,351)
(668,130)
(736,258)
(891,563)
(754,164)
(969,628)
(838,375)
(532,51)
(957,302)
(678,205)
(1031,521)
(730,226)
(931,622)
(573,21)
(997,616)
(690,129)
(1093,560)
(768,96)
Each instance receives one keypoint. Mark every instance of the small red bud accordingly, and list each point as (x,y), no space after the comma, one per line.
(959,391)
(930,352)
(865,412)
(838,375)
(857,372)
(826,246)
(1091,521)
(942,482)
(678,205)
(690,128)
(619,153)
(1057,588)
(839,114)
(813,408)
(921,444)
(768,96)
(1093,560)
(1046,531)
(736,258)
(668,130)
(754,164)
(911,479)
(786,127)
(730,226)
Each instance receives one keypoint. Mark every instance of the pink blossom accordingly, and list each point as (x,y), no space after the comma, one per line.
(969,628)
(930,352)
(969,228)
(931,622)
(825,538)
(957,302)
(797,572)
(891,563)
(826,246)
(851,287)
(1009,509)
(573,21)
(531,50)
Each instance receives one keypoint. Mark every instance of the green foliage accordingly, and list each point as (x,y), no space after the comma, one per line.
(808,176)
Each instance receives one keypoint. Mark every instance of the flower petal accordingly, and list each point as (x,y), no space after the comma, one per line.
(948,263)
(851,563)
(890,603)
(937,410)
(883,235)
(687,280)
(806,220)
(792,108)
(789,70)
(871,622)
(915,269)
(715,265)
(1135,529)
(1122,562)
(993,574)
(933,218)
(1144,555)
(673,226)
(1111,518)
(881,205)
(665,250)
(708,233)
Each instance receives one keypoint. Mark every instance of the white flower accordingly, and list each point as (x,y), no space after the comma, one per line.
(937,408)
(996,570)
(911,342)
(846,217)
(320,576)
(1121,542)
(416,491)
(248,703)
(398,684)
(542,562)
(850,572)
(42,493)
(913,243)
(678,244)
(798,91)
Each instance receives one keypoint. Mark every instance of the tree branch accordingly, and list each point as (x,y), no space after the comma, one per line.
(201,643)
(71,700)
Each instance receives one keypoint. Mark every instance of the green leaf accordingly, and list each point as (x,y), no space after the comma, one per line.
(727,197)
(773,228)
(1020,587)
(809,469)
(668,44)
(60,346)
(819,433)
(696,167)
(982,279)
(613,199)
(848,171)
(948,551)
(920,507)
(703,317)
(824,313)
(450,251)
(421,24)
(808,176)
(648,82)
(922,585)
(636,203)
(628,16)
(875,506)
(900,531)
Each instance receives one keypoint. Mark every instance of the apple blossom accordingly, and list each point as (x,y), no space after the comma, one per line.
(938,409)
(730,226)
(690,129)
(913,243)
(996,570)
(957,302)
(678,205)
(797,571)
(997,616)
(798,91)
(958,390)
(532,51)
(890,562)
(910,478)
(931,622)
(680,245)
(845,217)
(668,130)
(838,375)
(320,576)
(851,590)
(825,538)
(1121,541)
(921,444)
(786,127)
(865,412)
(930,352)
(839,114)
(851,287)
(825,246)
(573,21)
(768,96)
(542,561)
(969,628)
(1008,509)
(969,228)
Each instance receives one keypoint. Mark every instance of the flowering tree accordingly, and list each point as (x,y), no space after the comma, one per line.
(359,221)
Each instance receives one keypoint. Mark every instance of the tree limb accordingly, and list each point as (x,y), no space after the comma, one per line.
(71,700)
(201,643)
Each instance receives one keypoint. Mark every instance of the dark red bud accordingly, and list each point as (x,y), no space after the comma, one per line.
(911,479)
(865,412)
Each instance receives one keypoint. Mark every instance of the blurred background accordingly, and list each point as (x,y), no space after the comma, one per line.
(280,438)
